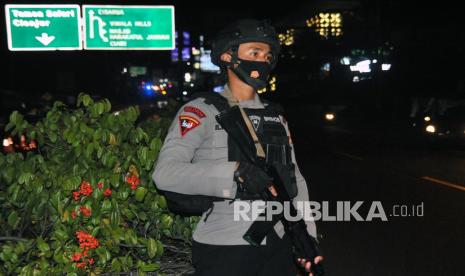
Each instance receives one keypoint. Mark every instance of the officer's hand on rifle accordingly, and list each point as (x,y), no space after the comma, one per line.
(252,179)
(306,264)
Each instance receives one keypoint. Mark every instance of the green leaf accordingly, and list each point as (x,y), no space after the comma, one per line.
(142,154)
(115,218)
(9,126)
(107,105)
(156,144)
(9,173)
(123,195)
(95,231)
(89,150)
(58,255)
(106,205)
(160,248)
(100,108)
(115,179)
(32,134)
(150,267)
(152,248)
(116,265)
(103,253)
(130,237)
(142,215)
(82,127)
(117,235)
(14,117)
(166,221)
(140,193)
(87,100)
(53,137)
(42,245)
(55,200)
(80,98)
(61,235)
(99,152)
(161,201)
(97,134)
(13,219)
(26,270)
(20,248)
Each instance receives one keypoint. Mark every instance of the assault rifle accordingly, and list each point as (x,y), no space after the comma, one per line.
(237,125)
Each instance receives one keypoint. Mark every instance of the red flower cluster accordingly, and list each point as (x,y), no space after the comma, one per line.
(85,189)
(107,192)
(85,211)
(86,241)
(78,256)
(133,180)
(100,185)
(73,214)
(76,195)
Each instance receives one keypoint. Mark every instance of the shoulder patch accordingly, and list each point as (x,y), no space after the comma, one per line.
(195,111)
(187,123)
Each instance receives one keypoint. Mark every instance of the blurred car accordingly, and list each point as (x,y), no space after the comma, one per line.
(450,126)
(341,114)
(439,130)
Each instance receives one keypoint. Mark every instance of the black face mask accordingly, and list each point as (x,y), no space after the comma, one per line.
(254,73)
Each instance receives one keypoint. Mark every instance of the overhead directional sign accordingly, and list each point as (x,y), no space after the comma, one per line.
(128,27)
(43,27)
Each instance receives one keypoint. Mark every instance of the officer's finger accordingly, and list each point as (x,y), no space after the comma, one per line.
(273,191)
(318,259)
(307,266)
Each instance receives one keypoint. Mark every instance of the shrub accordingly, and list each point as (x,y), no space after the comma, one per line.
(84,201)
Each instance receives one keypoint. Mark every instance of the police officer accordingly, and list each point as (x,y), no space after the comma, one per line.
(198,159)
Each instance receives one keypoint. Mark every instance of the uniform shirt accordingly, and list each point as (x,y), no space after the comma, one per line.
(194,160)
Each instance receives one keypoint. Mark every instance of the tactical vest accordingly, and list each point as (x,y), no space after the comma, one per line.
(274,139)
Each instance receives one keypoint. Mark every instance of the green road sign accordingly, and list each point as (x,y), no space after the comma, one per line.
(43,27)
(128,27)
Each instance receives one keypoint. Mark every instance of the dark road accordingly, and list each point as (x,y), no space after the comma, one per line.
(370,164)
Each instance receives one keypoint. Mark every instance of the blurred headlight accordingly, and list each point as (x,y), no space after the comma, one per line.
(430,129)
(427,118)
(329,116)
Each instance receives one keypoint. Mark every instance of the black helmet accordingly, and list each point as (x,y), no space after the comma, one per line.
(243,31)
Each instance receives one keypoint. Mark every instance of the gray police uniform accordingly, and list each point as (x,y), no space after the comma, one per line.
(194,160)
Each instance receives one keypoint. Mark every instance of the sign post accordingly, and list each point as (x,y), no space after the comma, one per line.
(128,27)
(43,27)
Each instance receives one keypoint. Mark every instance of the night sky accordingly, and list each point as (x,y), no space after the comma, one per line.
(428,43)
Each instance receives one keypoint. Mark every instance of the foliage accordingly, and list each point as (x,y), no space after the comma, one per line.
(84,202)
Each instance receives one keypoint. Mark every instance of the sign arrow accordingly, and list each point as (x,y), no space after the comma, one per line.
(45,39)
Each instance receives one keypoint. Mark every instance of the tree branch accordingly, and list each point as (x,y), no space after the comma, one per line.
(13,239)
